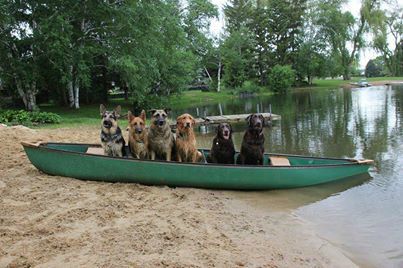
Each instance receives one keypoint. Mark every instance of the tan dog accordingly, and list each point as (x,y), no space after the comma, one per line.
(185,139)
(138,140)
(161,141)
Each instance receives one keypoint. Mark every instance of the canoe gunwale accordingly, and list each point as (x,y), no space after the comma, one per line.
(347,161)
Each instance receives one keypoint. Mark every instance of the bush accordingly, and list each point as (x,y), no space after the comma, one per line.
(249,87)
(21,117)
(281,78)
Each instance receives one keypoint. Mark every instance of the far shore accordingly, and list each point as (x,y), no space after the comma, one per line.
(376,83)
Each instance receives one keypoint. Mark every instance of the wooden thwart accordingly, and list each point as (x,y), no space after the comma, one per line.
(279,161)
(95,150)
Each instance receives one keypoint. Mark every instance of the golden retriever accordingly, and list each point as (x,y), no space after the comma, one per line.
(185,139)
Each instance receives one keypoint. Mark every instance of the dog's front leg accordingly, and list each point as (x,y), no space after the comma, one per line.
(194,156)
(152,155)
(169,151)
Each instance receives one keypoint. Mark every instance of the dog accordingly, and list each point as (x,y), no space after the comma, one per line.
(186,150)
(112,139)
(138,140)
(252,148)
(161,141)
(222,150)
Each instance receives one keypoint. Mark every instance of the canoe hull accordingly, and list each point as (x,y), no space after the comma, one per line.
(79,165)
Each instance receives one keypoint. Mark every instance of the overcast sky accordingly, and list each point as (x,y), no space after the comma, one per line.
(352,5)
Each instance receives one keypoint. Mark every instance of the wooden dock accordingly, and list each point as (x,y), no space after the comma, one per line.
(233,118)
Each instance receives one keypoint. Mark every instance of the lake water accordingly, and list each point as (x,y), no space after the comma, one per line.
(362,216)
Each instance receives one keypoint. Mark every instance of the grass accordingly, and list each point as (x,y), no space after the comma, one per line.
(328,83)
(88,115)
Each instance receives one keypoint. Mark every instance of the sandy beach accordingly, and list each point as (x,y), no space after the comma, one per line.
(50,221)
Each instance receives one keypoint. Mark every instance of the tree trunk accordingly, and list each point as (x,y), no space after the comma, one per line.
(346,74)
(70,88)
(208,74)
(219,76)
(76,93)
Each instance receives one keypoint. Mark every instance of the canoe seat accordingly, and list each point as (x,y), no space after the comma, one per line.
(279,161)
(95,150)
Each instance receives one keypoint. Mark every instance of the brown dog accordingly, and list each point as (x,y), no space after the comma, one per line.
(223,150)
(138,140)
(186,150)
(161,141)
(252,148)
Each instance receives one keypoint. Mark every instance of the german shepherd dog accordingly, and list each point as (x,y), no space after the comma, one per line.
(111,135)
(186,150)
(252,148)
(161,141)
(138,140)
(222,150)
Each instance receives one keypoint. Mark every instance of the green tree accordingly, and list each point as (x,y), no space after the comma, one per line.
(342,29)
(281,78)
(385,25)
(373,68)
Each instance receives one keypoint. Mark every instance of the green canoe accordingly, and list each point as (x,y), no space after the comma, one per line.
(83,161)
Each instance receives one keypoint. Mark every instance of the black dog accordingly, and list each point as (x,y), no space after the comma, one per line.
(111,135)
(252,148)
(223,149)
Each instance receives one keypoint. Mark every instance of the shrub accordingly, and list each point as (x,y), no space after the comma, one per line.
(281,78)
(249,87)
(21,117)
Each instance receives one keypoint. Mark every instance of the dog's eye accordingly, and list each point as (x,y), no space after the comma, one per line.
(104,116)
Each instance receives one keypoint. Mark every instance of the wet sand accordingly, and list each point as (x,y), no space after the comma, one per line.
(50,221)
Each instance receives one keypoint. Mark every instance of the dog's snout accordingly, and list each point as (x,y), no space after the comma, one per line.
(187,124)
(161,122)
(107,123)
(139,130)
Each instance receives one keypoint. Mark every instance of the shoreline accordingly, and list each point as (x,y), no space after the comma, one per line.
(51,221)
(376,83)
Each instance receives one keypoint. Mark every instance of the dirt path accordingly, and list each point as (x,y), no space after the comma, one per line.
(49,221)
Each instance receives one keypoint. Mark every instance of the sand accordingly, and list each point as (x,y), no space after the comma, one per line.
(50,221)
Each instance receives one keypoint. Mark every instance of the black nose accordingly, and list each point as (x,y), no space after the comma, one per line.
(161,122)
(107,124)
(226,132)
(188,124)
(139,130)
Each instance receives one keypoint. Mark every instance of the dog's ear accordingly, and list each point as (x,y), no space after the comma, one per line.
(179,120)
(230,128)
(152,111)
(263,120)
(247,119)
(117,111)
(143,115)
(130,116)
(102,109)
(167,110)
(193,121)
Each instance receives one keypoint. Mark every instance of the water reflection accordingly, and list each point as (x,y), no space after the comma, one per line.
(364,219)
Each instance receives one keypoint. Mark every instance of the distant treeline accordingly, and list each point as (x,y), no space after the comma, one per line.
(70,52)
